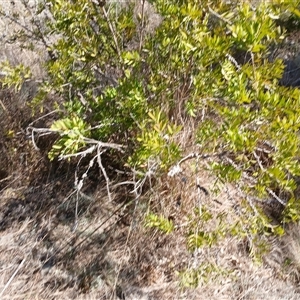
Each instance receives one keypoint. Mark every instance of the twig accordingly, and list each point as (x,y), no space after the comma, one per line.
(244,174)
(258,161)
(124,183)
(78,186)
(6,178)
(42,117)
(177,169)
(12,277)
(81,153)
(10,183)
(276,197)
(218,16)
(112,31)
(103,172)
(140,183)
(254,181)
(248,198)
(142,25)
(95,143)
(45,131)
(3,106)
(263,150)
(233,61)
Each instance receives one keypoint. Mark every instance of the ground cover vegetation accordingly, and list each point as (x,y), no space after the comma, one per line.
(163,88)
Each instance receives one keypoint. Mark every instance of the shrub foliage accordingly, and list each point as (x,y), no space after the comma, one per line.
(206,61)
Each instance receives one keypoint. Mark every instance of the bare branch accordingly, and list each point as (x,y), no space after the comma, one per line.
(103,172)
(276,197)
(258,161)
(177,169)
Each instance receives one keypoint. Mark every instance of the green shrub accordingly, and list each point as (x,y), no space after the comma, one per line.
(208,61)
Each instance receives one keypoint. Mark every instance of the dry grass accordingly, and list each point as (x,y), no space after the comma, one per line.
(110,254)
(122,257)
